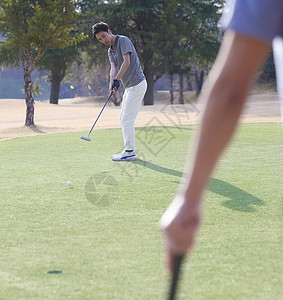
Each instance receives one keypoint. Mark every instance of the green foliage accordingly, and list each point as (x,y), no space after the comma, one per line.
(187,32)
(34,26)
(93,11)
(39,24)
(139,20)
(169,35)
(36,87)
(9,55)
(58,60)
(268,73)
(85,72)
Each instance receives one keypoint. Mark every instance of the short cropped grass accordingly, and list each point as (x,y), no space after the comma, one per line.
(102,231)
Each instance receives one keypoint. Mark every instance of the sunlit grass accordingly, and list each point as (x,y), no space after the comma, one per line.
(102,231)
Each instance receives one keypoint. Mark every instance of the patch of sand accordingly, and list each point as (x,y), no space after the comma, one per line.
(78,114)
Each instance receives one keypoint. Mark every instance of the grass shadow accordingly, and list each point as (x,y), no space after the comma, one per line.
(158,168)
(239,199)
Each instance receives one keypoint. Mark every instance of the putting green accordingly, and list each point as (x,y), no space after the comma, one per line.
(101,232)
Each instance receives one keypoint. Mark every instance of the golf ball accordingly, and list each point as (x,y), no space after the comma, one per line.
(69,183)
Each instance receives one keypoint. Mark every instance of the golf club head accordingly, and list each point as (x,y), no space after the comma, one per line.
(85,138)
(88,138)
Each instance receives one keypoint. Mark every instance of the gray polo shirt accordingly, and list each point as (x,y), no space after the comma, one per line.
(134,74)
(261,19)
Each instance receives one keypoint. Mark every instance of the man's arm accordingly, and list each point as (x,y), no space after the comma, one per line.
(113,73)
(124,67)
(114,80)
(228,84)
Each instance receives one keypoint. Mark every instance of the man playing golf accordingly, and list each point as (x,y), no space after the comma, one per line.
(125,67)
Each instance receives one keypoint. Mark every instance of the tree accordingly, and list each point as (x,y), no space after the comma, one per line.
(191,32)
(167,34)
(207,45)
(267,75)
(30,28)
(57,62)
(171,52)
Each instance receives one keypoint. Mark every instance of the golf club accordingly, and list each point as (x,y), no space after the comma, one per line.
(177,261)
(88,138)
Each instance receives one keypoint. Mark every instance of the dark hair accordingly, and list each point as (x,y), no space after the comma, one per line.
(101,26)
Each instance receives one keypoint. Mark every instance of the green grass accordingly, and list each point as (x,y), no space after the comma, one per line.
(102,232)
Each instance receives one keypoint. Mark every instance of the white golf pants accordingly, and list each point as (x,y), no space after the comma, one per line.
(131,104)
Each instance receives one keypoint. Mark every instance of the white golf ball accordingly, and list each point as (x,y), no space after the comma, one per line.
(69,183)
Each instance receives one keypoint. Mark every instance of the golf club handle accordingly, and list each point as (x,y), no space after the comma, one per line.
(101,111)
(177,262)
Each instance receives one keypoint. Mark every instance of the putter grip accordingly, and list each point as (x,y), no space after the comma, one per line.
(177,261)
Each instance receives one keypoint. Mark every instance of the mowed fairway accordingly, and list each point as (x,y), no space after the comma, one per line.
(102,231)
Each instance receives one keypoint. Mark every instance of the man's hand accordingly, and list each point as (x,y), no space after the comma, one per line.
(115,85)
(179,225)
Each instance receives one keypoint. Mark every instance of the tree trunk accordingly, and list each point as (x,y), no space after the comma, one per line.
(189,83)
(28,89)
(149,95)
(171,90)
(181,89)
(57,75)
(55,88)
(199,82)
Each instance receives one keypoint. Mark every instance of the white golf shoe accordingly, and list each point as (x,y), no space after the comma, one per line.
(125,156)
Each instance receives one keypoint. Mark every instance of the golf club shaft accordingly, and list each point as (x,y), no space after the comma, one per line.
(177,261)
(100,113)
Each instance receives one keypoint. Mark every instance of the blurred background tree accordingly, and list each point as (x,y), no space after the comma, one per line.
(30,28)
